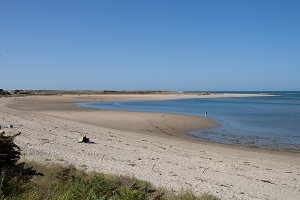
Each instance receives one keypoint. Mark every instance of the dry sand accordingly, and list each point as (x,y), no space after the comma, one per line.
(149,146)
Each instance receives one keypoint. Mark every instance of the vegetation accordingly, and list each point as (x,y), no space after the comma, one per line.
(19,93)
(79,92)
(13,175)
(67,182)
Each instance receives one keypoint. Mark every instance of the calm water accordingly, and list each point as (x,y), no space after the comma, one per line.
(272,122)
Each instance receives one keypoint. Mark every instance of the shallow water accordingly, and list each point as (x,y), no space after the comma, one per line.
(272,121)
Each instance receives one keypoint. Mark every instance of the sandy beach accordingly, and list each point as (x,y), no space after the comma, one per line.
(150,146)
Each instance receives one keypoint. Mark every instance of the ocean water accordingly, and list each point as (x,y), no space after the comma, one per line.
(269,122)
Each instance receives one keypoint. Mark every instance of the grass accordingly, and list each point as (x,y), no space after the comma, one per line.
(66,182)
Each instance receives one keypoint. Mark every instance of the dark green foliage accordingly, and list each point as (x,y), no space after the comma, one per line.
(13,174)
(9,151)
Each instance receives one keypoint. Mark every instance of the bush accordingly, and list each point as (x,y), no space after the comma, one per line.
(13,174)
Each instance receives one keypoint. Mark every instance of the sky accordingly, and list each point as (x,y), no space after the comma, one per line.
(177,45)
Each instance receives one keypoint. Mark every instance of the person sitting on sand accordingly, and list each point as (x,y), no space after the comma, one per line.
(83,139)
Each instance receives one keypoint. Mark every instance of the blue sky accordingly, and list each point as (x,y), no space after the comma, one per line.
(206,45)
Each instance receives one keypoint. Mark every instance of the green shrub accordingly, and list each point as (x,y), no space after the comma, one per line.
(13,174)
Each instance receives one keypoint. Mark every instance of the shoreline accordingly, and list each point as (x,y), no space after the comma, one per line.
(50,127)
(68,103)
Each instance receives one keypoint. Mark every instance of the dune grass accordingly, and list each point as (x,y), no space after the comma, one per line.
(66,182)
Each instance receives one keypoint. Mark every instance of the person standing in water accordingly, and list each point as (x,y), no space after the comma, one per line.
(206,113)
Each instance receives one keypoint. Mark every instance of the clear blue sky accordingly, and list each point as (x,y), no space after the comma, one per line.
(207,45)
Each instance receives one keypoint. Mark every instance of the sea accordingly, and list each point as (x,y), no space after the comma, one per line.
(271,122)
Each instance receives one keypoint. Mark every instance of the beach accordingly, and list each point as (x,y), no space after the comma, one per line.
(150,146)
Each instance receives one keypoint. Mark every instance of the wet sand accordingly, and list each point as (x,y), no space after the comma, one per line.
(150,146)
